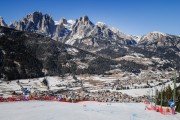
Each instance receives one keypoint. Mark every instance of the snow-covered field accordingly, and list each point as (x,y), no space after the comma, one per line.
(43,110)
(56,83)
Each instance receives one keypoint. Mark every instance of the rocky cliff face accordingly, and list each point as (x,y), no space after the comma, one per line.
(81,32)
(82,27)
(87,35)
(154,40)
(36,22)
(63,29)
(2,22)
(95,37)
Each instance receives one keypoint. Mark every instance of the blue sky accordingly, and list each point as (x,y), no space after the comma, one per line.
(135,17)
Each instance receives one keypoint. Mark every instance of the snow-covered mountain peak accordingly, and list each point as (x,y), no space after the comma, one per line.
(36,22)
(115,30)
(155,35)
(84,20)
(119,33)
(101,24)
(137,38)
(1,18)
(56,22)
(126,36)
(63,21)
(34,17)
(80,29)
(36,13)
(157,32)
(2,22)
(71,22)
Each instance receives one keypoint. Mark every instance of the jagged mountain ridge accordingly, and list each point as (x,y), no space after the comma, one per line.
(84,34)
(35,22)
(81,28)
(2,22)
(104,41)
(154,40)
(44,23)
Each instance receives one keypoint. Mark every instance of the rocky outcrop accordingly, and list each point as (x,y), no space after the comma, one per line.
(87,35)
(82,32)
(99,38)
(94,37)
(2,22)
(63,29)
(153,40)
(82,27)
(36,22)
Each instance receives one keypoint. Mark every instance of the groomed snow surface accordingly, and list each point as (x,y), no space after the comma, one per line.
(43,110)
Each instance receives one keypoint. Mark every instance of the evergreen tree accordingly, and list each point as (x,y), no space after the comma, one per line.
(168,96)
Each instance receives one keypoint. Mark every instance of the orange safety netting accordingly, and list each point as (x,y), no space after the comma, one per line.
(162,110)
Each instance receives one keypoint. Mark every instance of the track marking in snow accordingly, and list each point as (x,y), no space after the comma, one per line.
(42,110)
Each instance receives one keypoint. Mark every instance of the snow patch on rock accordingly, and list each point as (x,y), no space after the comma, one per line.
(72,51)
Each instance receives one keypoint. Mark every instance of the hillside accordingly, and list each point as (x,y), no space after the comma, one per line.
(30,55)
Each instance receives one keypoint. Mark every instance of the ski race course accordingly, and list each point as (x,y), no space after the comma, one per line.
(52,110)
